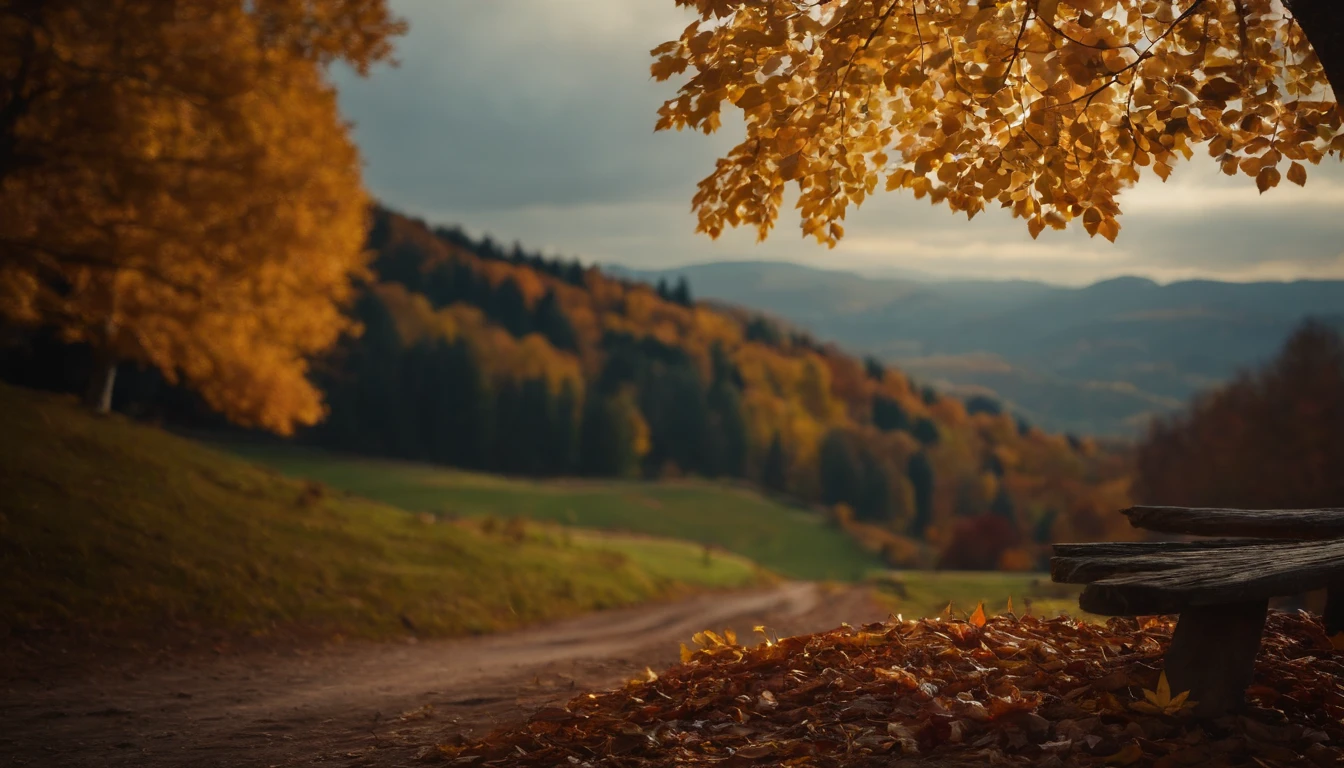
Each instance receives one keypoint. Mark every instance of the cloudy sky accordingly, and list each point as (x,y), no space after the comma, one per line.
(532,120)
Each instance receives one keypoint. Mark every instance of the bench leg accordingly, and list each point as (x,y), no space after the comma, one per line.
(1334,608)
(1212,654)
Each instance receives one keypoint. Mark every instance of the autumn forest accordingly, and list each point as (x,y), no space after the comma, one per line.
(206,306)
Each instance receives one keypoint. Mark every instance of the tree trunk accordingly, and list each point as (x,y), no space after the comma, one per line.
(1323,23)
(101,380)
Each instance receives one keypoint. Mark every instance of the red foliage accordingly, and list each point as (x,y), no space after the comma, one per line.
(1019,692)
(978,543)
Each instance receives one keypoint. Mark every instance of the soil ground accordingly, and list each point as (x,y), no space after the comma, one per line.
(366,704)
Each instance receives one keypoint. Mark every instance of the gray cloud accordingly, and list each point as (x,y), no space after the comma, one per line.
(532,120)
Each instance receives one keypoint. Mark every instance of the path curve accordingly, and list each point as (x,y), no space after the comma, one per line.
(376,704)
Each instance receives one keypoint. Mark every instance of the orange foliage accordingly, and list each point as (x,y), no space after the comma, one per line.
(188,196)
(800,394)
(1270,439)
(1047,109)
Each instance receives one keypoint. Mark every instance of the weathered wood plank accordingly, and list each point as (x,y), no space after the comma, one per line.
(1085,563)
(1262,523)
(1175,581)
(1132,548)
(1212,654)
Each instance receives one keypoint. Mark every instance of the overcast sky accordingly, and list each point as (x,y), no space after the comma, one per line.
(532,120)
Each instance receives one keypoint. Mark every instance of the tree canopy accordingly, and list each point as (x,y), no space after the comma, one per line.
(180,190)
(1049,108)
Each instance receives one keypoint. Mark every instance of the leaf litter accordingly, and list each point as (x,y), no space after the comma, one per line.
(991,691)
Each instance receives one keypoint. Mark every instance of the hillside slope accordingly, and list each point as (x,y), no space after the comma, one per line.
(112,529)
(507,362)
(790,542)
(1098,359)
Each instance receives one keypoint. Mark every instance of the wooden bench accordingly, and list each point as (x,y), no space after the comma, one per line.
(1220,587)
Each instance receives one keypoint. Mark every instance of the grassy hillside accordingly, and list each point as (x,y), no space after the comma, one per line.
(109,527)
(785,540)
(919,594)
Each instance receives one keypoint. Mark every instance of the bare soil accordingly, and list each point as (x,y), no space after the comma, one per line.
(359,704)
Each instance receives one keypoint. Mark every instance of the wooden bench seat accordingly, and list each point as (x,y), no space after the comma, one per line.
(1220,587)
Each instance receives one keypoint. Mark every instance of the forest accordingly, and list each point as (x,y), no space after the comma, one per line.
(195,266)
(502,360)
(495,358)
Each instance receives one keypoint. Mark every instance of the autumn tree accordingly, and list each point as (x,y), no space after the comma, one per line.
(180,190)
(1269,439)
(1049,108)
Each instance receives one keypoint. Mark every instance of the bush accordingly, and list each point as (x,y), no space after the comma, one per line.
(979,543)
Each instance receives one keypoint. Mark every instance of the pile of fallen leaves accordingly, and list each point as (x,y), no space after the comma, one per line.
(1006,690)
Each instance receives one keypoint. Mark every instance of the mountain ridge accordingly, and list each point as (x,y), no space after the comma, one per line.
(1110,354)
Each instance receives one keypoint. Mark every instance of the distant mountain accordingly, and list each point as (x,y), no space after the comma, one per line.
(1100,359)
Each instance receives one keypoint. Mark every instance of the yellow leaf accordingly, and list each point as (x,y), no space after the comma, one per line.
(1047,9)
(1297,174)
(1109,228)
(751,98)
(1267,178)
(1161,702)
(1035,225)
(686,654)
(1128,755)
(1163,689)
(1010,604)
(978,618)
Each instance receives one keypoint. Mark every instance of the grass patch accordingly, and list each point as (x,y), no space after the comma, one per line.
(109,527)
(788,541)
(669,558)
(922,594)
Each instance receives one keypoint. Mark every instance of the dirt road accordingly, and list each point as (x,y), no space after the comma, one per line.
(373,704)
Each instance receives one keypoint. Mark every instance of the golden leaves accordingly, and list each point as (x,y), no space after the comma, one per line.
(1047,108)
(1014,692)
(1267,178)
(205,215)
(1161,702)
(1297,173)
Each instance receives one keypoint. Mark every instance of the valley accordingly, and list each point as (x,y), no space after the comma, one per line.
(1100,359)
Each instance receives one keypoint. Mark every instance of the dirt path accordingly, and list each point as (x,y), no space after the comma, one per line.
(366,704)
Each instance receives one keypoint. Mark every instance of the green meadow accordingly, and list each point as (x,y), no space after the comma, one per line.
(111,528)
(789,541)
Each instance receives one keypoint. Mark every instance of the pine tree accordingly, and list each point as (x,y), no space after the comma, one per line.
(888,414)
(609,438)
(839,470)
(919,471)
(508,307)
(874,502)
(682,293)
(564,443)
(550,320)
(929,395)
(874,368)
(926,431)
(728,432)
(774,475)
